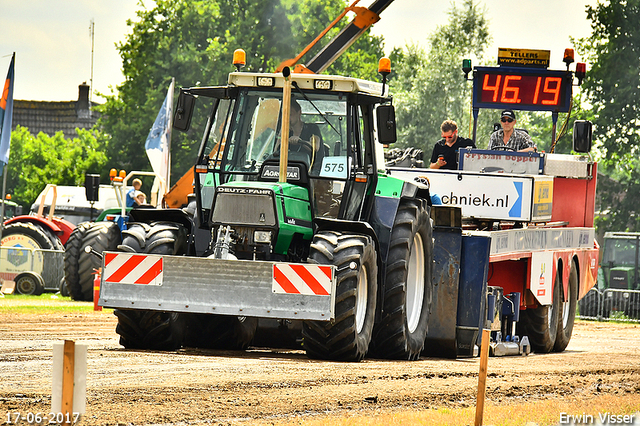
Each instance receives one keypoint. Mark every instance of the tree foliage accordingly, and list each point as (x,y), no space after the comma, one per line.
(194,41)
(429,84)
(613,88)
(38,160)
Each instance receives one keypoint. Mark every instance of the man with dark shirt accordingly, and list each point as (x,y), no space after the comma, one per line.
(445,152)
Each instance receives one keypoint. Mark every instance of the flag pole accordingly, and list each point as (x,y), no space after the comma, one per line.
(4,191)
(168,177)
(6,119)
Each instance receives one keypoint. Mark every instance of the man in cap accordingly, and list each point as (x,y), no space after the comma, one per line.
(509,137)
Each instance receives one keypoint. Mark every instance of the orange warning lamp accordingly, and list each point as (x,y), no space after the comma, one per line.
(568,57)
(384,66)
(239,58)
(112,174)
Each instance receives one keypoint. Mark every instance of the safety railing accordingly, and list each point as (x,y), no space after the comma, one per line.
(610,304)
(46,264)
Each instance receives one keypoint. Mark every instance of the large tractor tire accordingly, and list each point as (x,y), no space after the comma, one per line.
(29,235)
(71,255)
(401,331)
(541,324)
(219,331)
(80,266)
(155,330)
(567,312)
(142,329)
(346,338)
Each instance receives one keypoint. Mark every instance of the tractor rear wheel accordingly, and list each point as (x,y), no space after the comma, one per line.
(71,256)
(541,324)
(346,338)
(29,235)
(101,236)
(567,312)
(219,331)
(156,330)
(401,332)
(142,329)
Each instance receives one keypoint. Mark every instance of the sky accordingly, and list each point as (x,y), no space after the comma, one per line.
(53,42)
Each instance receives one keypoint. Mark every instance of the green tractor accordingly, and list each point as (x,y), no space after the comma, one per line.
(618,278)
(300,239)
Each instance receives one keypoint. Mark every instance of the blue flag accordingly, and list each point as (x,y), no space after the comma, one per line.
(6,115)
(158,141)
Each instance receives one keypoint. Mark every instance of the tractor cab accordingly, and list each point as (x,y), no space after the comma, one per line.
(331,167)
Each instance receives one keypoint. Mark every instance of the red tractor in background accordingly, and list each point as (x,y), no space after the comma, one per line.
(32,249)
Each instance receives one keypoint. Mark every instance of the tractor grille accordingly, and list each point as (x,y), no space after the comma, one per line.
(244,208)
(619,279)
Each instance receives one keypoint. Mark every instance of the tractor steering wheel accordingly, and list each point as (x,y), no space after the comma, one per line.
(503,148)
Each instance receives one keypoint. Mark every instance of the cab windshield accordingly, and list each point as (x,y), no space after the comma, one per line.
(240,146)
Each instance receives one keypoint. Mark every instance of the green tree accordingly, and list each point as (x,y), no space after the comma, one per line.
(38,160)
(429,85)
(194,41)
(613,88)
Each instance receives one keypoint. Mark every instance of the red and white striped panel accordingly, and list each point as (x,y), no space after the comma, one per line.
(128,268)
(302,279)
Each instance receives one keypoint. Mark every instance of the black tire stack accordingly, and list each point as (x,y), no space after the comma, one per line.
(80,266)
(141,329)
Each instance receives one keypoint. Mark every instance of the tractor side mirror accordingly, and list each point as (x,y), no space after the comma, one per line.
(582,136)
(184,111)
(386,116)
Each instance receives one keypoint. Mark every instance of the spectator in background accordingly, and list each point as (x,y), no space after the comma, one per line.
(445,151)
(131,194)
(140,198)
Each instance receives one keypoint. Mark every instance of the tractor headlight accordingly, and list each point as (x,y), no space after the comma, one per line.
(262,237)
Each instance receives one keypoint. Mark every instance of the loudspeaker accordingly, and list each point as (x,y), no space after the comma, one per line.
(91,185)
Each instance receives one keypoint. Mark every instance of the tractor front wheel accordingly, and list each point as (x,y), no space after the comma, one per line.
(348,336)
(401,332)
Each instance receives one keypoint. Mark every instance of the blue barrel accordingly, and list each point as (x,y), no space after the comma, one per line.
(472,290)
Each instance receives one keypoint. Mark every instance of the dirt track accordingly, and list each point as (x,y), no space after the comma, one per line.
(265,386)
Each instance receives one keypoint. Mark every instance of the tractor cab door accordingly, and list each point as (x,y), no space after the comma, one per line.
(357,200)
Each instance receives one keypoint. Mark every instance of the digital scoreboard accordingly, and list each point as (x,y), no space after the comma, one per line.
(522,88)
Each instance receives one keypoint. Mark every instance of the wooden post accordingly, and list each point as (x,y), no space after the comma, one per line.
(68,379)
(482,378)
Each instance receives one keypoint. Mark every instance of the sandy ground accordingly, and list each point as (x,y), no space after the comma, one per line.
(262,386)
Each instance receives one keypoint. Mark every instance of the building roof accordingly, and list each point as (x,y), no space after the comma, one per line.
(52,117)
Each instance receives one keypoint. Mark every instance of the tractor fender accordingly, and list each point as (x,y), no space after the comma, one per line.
(149,215)
(60,227)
